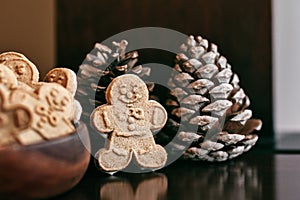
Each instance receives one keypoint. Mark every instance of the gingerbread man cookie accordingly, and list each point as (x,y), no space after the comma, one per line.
(24,70)
(63,76)
(128,118)
(66,78)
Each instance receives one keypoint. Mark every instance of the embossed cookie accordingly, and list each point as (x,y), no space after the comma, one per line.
(51,107)
(128,118)
(66,78)
(63,76)
(24,70)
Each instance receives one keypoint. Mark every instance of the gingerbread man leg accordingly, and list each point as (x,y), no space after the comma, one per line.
(113,159)
(155,158)
(149,154)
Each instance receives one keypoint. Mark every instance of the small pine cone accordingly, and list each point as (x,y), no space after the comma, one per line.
(97,71)
(208,104)
(99,68)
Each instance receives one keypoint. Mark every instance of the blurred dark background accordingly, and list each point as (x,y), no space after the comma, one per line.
(241,29)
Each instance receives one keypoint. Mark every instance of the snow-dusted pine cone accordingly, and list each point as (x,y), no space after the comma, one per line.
(208,104)
(99,68)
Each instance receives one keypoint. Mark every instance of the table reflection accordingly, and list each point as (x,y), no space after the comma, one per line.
(232,180)
(248,177)
(150,187)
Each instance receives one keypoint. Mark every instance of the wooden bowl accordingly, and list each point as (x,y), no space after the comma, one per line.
(46,169)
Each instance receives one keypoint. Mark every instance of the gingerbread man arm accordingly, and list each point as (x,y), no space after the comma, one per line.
(158,116)
(101,119)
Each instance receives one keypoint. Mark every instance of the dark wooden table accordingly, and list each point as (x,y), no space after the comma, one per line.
(262,173)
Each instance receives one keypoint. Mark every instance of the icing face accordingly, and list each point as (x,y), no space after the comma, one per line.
(64,77)
(129,91)
(21,72)
(24,70)
(129,94)
(57,77)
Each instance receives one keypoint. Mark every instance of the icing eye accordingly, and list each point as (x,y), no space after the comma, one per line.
(61,78)
(123,89)
(52,75)
(53,93)
(135,88)
(64,101)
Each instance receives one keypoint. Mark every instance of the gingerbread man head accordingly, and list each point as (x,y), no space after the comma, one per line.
(24,70)
(127,90)
(63,76)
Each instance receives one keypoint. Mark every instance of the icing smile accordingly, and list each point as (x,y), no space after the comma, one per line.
(129,98)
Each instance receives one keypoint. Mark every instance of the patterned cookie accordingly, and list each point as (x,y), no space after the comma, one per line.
(129,117)
(66,78)
(63,76)
(24,70)
(14,118)
(51,107)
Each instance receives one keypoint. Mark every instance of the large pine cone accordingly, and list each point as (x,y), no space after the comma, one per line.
(208,104)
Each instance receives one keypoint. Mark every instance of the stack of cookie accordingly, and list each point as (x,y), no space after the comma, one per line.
(32,111)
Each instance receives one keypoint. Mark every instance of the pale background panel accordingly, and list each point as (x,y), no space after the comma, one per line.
(28,26)
(286,62)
